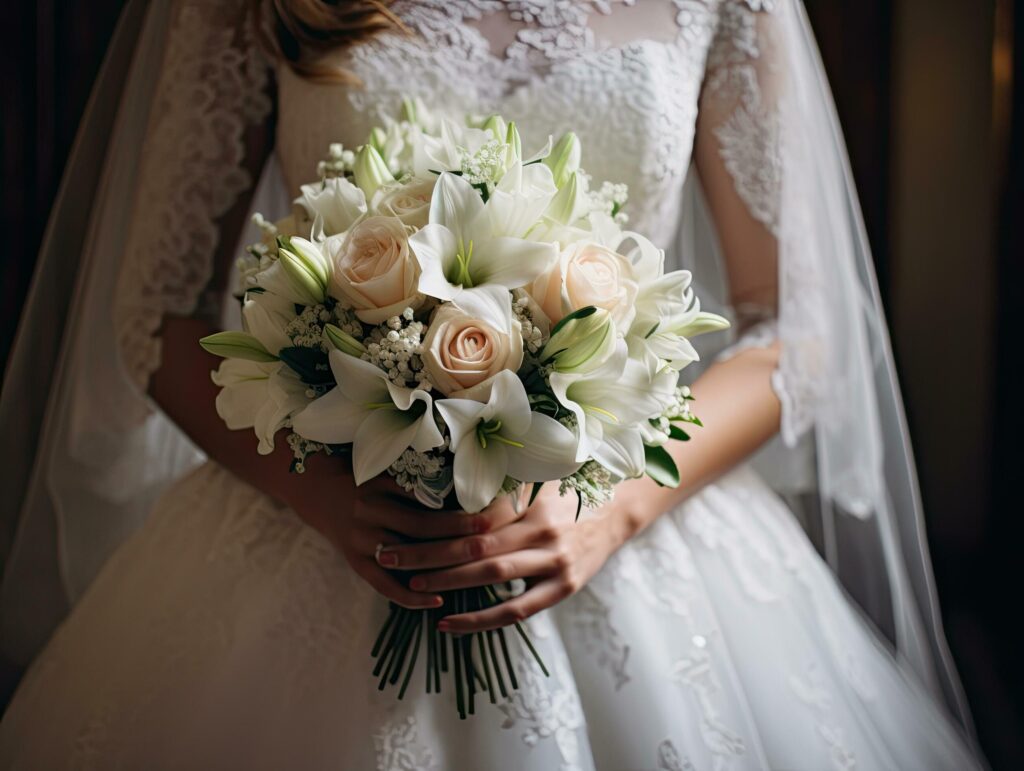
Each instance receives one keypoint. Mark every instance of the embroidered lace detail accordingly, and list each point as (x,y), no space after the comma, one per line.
(749,137)
(213,85)
(543,710)
(399,748)
(592,623)
(669,758)
(696,671)
(812,692)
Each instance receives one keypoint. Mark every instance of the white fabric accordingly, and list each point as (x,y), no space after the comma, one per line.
(227,634)
(226,626)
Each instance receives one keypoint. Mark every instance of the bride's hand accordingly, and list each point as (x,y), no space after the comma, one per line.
(359,521)
(546,545)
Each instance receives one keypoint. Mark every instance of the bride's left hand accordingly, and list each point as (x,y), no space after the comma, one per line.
(546,546)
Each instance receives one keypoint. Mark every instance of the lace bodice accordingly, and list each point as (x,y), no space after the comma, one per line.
(650,86)
(624,75)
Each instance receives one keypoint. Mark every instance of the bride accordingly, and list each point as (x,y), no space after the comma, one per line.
(212,610)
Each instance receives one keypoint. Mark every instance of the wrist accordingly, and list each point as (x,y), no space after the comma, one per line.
(630,511)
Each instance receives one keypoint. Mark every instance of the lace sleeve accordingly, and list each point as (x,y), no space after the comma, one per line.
(739,152)
(212,87)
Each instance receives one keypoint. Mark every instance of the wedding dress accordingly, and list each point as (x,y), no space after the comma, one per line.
(225,633)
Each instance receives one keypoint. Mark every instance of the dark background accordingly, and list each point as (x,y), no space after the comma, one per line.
(930,93)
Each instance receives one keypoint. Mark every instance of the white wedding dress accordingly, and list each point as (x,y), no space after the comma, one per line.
(226,634)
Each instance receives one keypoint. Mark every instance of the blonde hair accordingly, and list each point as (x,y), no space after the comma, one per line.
(301,31)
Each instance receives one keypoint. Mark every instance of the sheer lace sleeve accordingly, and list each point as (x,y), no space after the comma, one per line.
(739,150)
(212,86)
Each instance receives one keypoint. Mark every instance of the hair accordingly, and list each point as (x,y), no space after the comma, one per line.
(301,31)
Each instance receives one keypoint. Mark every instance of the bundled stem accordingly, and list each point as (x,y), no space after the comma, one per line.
(476,663)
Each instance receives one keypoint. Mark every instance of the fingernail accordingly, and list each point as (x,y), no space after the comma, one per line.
(418,584)
(443,626)
(388,559)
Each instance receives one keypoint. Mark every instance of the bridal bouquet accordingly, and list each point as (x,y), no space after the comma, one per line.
(469,320)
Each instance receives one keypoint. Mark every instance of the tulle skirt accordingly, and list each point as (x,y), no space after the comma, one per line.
(227,634)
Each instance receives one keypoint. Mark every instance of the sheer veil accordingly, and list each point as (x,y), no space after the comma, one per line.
(85,454)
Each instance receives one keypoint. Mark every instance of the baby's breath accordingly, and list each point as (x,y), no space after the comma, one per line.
(592,482)
(395,346)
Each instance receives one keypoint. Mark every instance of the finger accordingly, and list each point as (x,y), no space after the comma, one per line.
(457,551)
(389,586)
(541,596)
(369,542)
(424,523)
(496,570)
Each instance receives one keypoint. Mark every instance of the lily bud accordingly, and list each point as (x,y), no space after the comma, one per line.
(564,158)
(378,139)
(703,323)
(370,170)
(497,126)
(343,341)
(307,268)
(409,111)
(514,143)
(564,205)
(236,345)
(581,344)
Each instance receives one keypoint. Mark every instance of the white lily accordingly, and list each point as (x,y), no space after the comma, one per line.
(468,243)
(302,272)
(258,395)
(370,170)
(504,438)
(609,403)
(667,311)
(336,200)
(266,316)
(379,418)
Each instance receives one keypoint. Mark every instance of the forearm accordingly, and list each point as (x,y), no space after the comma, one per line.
(740,412)
(183,389)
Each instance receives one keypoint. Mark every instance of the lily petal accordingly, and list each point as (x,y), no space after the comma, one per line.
(461,416)
(331,419)
(434,247)
(512,262)
(548,452)
(360,381)
(479,474)
(379,440)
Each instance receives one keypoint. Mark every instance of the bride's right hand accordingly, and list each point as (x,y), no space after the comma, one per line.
(360,520)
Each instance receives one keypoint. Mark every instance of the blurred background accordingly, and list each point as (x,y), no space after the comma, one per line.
(931,97)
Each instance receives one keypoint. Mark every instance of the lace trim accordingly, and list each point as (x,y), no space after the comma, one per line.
(212,86)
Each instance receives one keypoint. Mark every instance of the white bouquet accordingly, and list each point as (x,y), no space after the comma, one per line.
(468,320)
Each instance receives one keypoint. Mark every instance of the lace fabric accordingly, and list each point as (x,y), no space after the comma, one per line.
(213,85)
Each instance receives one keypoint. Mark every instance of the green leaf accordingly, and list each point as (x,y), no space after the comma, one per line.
(535,492)
(582,313)
(653,330)
(675,432)
(579,505)
(696,421)
(660,466)
(310,364)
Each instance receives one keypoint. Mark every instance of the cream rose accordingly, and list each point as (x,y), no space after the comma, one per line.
(374,270)
(409,202)
(587,274)
(466,347)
